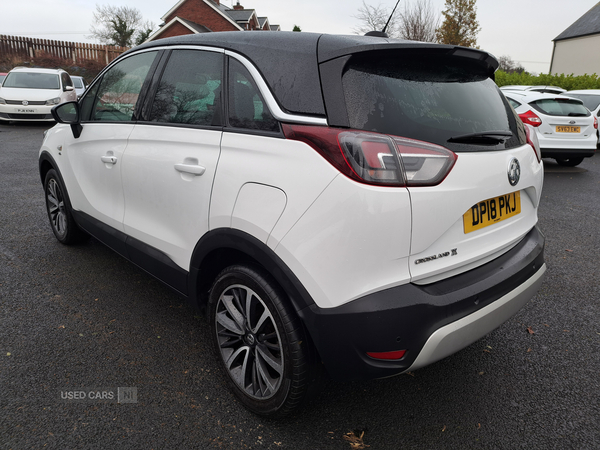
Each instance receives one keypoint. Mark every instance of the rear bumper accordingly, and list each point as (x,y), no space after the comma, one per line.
(566,153)
(430,322)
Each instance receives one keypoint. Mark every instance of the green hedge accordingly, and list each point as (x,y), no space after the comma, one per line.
(568,82)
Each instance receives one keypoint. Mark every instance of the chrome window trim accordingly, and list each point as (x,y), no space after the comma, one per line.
(272,104)
(262,86)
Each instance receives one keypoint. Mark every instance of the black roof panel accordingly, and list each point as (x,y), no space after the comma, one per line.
(288,61)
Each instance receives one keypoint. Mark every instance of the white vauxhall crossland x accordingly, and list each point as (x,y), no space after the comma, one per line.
(356,205)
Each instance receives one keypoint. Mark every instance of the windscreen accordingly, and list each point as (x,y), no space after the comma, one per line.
(560,107)
(31,80)
(431,97)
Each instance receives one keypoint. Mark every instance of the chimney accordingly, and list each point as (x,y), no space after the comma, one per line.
(238,6)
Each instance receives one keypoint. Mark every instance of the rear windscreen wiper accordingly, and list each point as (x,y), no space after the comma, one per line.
(484,137)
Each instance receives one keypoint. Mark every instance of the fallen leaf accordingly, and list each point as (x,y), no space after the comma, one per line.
(530,331)
(486,350)
(566,331)
(528,350)
(62,326)
(444,429)
(478,426)
(410,373)
(481,373)
(355,441)
(7,353)
(568,250)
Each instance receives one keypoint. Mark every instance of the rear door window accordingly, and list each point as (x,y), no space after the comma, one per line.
(247,108)
(429,97)
(560,107)
(189,91)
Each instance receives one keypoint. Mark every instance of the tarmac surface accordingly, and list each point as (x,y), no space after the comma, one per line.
(82,319)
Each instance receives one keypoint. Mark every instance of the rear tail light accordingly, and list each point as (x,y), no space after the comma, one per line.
(530,118)
(532,140)
(377,159)
(595,123)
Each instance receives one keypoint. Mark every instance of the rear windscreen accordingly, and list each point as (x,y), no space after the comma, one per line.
(560,107)
(591,102)
(429,97)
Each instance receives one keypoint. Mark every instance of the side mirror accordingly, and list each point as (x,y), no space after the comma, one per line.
(69,88)
(68,113)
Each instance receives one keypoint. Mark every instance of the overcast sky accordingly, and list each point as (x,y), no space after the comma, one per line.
(521,29)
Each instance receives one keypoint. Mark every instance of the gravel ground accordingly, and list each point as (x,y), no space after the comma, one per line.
(74,318)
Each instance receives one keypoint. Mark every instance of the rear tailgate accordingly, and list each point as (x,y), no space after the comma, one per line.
(441,245)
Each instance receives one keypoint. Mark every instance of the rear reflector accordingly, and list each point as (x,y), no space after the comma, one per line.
(398,354)
(377,159)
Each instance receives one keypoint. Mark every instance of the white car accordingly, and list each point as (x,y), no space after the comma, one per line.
(361,204)
(590,98)
(566,130)
(543,89)
(30,94)
(79,85)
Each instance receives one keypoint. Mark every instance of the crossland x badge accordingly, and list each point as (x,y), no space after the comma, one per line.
(514,172)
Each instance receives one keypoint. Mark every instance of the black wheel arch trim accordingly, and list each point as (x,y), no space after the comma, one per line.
(221,242)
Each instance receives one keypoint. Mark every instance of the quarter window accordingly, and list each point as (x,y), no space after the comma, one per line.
(113,99)
(247,108)
(189,91)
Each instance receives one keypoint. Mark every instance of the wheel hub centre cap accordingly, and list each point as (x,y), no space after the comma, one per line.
(250,339)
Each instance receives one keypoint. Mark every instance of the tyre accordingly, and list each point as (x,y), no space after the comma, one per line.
(59,213)
(259,341)
(570,162)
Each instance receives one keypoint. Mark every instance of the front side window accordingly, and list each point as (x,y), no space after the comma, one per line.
(114,98)
(247,109)
(430,97)
(66,81)
(32,80)
(189,91)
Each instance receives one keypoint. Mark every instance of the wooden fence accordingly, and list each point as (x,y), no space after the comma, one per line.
(30,47)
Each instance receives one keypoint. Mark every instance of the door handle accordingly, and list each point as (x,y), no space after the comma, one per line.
(190,168)
(108,159)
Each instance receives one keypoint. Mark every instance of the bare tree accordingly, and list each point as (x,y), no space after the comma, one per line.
(374,18)
(419,22)
(120,25)
(509,66)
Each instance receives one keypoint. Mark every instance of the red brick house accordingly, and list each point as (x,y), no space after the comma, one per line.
(205,16)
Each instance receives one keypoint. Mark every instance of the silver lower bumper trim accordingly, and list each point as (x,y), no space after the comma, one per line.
(458,335)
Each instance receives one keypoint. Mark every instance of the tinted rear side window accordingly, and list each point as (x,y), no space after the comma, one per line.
(560,107)
(247,109)
(429,97)
(190,89)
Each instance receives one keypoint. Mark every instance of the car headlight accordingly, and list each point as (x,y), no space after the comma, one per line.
(53,101)
(2,101)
